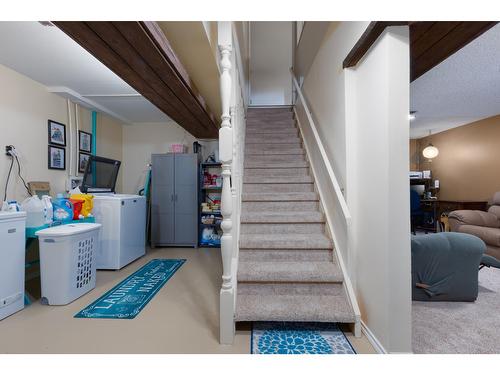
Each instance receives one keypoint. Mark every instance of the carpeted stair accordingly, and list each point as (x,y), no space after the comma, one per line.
(287,270)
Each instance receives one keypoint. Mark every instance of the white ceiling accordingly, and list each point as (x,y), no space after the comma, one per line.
(463,88)
(47,55)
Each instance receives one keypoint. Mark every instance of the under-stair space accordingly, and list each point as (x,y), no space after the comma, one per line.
(287,268)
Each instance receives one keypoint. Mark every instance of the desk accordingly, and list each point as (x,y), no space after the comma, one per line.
(448,206)
(432,207)
(437,207)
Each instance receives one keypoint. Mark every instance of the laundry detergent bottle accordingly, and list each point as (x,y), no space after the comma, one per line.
(33,207)
(63,209)
(48,210)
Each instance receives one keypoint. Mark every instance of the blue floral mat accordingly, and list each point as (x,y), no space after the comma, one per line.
(299,338)
(129,297)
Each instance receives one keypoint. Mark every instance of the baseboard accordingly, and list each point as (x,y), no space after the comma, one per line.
(379,348)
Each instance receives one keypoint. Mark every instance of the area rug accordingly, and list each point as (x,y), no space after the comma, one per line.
(461,327)
(129,297)
(299,338)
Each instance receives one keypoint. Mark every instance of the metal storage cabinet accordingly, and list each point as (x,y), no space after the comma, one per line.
(174,200)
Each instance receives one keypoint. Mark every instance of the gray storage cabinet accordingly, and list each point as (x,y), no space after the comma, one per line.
(174,200)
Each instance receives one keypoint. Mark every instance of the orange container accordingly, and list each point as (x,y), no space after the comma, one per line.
(77,207)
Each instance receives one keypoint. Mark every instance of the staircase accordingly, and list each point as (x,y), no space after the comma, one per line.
(287,268)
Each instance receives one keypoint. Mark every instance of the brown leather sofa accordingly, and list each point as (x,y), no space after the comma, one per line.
(485,225)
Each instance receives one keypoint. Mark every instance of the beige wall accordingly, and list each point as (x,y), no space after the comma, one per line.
(468,164)
(110,143)
(142,140)
(25,107)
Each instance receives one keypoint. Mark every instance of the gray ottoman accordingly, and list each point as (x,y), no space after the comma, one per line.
(445,266)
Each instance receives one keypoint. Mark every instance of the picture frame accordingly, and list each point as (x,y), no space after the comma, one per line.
(83,159)
(84,141)
(57,158)
(57,133)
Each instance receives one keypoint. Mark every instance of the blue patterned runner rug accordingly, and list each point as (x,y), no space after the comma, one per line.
(129,297)
(299,338)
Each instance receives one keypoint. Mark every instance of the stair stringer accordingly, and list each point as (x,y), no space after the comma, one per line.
(347,285)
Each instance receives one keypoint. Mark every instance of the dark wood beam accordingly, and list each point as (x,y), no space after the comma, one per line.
(431,42)
(366,40)
(434,42)
(140,54)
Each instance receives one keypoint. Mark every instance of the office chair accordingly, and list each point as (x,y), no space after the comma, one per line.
(416,212)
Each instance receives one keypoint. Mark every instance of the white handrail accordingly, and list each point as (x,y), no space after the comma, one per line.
(331,174)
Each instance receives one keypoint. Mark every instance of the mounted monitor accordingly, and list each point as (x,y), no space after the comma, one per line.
(100,175)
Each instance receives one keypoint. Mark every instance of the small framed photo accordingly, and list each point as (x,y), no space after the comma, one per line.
(84,141)
(57,133)
(57,158)
(83,159)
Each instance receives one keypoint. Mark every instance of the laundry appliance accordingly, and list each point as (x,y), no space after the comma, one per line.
(122,216)
(12,257)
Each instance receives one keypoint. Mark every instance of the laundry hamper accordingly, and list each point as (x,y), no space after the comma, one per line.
(68,261)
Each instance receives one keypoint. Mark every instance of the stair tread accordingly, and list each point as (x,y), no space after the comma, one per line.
(287,241)
(289,271)
(273,141)
(320,303)
(285,255)
(277,179)
(299,196)
(273,147)
(282,217)
(276,164)
(290,158)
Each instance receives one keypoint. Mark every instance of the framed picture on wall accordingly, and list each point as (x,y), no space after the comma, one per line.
(82,161)
(57,158)
(84,141)
(57,133)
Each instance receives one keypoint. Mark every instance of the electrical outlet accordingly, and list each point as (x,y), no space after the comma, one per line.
(8,150)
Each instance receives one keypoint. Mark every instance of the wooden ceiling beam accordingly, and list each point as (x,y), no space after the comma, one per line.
(430,42)
(440,41)
(143,58)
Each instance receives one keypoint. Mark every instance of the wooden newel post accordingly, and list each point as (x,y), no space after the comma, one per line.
(226,158)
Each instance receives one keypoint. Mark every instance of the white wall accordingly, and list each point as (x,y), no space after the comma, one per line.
(270,62)
(25,107)
(311,38)
(377,133)
(324,89)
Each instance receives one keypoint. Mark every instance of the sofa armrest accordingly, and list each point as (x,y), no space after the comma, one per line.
(473,217)
(489,235)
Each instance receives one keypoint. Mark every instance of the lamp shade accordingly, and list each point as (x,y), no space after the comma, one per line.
(430,152)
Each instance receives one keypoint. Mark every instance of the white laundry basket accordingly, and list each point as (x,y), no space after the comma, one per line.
(68,261)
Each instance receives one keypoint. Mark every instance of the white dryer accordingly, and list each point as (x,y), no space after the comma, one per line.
(12,256)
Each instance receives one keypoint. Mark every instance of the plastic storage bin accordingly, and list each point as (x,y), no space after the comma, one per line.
(68,261)
(178,148)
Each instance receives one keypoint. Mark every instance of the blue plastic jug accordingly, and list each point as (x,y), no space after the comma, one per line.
(63,209)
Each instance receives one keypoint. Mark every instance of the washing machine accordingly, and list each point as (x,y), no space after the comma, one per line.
(12,257)
(123,231)
(122,216)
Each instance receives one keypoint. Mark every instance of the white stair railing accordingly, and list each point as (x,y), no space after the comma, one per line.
(334,204)
(231,153)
